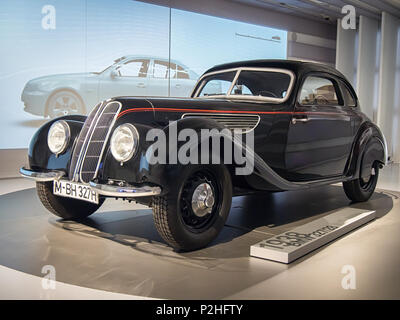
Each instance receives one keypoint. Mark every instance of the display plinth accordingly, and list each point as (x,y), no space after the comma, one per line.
(291,245)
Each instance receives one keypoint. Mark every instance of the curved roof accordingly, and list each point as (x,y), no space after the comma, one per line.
(292,65)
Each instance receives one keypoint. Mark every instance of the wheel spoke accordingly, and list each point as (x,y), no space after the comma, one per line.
(65,100)
(64,103)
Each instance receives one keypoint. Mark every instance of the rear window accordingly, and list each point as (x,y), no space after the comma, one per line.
(318,91)
(347,96)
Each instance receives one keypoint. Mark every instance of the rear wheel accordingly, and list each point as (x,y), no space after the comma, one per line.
(361,189)
(66,208)
(193,216)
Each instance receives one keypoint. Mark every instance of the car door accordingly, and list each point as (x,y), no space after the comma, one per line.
(158,78)
(180,83)
(130,78)
(320,134)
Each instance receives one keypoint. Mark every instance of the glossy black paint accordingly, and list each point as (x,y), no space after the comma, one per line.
(330,147)
(40,156)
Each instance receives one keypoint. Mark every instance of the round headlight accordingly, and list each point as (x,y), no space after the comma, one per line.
(58,136)
(124,142)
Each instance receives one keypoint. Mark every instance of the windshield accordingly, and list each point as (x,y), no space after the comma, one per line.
(254,84)
(115,62)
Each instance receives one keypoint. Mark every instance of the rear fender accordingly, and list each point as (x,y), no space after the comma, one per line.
(369,147)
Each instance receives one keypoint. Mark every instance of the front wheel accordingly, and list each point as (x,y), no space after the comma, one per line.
(64,103)
(193,216)
(361,189)
(66,208)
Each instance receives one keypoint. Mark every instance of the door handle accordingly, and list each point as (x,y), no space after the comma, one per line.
(303,119)
(141,85)
(177,86)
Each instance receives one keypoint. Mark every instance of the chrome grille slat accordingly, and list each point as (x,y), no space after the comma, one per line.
(74,165)
(92,140)
(100,132)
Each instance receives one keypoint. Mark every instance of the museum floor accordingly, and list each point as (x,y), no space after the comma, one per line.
(117,253)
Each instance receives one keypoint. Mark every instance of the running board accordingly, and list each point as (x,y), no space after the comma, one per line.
(269,175)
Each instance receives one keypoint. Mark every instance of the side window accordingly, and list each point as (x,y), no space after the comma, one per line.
(160,69)
(215,87)
(348,97)
(318,91)
(178,72)
(182,73)
(135,68)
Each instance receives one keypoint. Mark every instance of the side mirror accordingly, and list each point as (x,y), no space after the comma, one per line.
(114,73)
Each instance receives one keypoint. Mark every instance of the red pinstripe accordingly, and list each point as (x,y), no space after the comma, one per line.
(221,111)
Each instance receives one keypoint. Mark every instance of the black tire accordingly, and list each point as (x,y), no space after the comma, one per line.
(175,218)
(359,190)
(64,103)
(66,208)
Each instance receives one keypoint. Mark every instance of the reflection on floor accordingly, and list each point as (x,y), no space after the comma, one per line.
(119,250)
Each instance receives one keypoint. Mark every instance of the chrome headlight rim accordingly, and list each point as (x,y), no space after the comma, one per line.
(67,133)
(135,136)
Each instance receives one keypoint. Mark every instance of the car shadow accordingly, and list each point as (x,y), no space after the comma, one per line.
(252,218)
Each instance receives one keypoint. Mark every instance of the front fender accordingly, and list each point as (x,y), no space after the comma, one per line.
(146,167)
(40,156)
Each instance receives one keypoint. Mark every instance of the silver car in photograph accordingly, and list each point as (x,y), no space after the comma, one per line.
(76,93)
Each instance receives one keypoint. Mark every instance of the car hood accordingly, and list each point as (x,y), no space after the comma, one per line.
(65,76)
(163,110)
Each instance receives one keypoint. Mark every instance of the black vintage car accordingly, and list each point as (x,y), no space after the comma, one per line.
(305,119)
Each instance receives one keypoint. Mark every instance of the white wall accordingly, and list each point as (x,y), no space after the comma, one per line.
(345,52)
(368,66)
(372,52)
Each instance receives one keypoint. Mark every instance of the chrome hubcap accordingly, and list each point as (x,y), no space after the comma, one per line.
(202,200)
(367,179)
(65,104)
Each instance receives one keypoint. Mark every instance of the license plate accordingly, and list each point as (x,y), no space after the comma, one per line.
(75,190)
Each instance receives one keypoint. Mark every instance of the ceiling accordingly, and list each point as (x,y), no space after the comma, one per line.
(328,10)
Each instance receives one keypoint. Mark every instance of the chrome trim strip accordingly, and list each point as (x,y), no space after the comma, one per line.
(225,114)
(194,93)
(41,176)
(233,81)
(124,192)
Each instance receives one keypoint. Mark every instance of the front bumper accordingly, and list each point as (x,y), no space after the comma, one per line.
(41,176)
(125,191)
(115,191)
(34,102)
